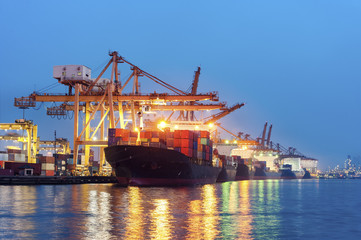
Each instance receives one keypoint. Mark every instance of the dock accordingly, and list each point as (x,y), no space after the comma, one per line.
(39,180)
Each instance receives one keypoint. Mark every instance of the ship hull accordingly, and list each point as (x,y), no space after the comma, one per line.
(228,173)
(242,172)
(260,174)
(151,166)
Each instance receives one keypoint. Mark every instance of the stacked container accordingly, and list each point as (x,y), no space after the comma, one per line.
(47,165)
(205,146)
(194,144)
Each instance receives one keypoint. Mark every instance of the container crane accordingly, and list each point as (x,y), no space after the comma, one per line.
(31,138)
(92,96)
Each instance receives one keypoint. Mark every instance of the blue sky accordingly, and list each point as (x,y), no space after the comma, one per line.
(296,64)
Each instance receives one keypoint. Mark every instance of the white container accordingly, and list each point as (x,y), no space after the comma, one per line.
(3,157)
(47,166)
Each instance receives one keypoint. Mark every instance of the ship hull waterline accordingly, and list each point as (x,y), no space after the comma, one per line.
(152,166)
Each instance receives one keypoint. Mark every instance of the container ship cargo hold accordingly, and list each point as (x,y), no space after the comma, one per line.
(157,158)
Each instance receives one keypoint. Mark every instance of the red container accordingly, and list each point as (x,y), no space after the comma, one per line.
(207,149)
(169,134)
(187,151)
(49,172)
(133,134)
(186,134)
(155,134)
(177,134)
(44,159)
(2,164)
(170,142)
(177,143)
(142,135)
(186,143)
(14,150)
(16,167)
(162,135)
(204,134)
(119,132)
(125,139)
(148,134)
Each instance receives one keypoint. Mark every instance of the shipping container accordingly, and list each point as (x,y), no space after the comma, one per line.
(155,134)
(17,167)
(11,150)
(177,134)
(186,143)
(4,157)
(47,166)
(186,134)
(170,142)
(46,159)
(177,142)
(11,157)
(111,133)
(187,151)
(154,139)
(205,141)
(49,172)
(169,134)
(204,134)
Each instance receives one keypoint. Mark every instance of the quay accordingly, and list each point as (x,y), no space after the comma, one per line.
(38,180)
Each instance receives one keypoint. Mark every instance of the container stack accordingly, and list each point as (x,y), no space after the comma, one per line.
(205,146)
(16,155)
(60,162)
(47,165)
(194,144)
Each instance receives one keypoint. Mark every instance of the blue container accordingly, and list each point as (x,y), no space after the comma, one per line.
(111,132)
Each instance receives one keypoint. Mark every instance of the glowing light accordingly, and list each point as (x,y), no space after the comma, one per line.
(162,124)
(136,129)
(234,141)
(211,125)
(227,141)
(197,127)
(176,127)
(94,138)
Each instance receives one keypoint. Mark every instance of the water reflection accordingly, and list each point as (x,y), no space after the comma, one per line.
(245,217)
(270,209)
(160,217)
(98,220)
(134,224)
(211,217)
(266,209)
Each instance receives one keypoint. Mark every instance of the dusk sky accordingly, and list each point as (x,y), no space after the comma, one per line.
(296,64)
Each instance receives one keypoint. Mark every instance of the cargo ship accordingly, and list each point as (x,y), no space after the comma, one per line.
(162,158)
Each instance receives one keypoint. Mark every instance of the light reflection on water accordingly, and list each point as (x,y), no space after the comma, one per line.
(272,209)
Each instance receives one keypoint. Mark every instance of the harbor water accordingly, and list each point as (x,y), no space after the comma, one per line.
(270,209)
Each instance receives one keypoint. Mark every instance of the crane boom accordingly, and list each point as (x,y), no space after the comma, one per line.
(215,117)
(264,134)
(269,135)
(194,90)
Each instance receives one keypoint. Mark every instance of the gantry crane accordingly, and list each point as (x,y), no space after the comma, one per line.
(60,145)
(108,97)
(31,138)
